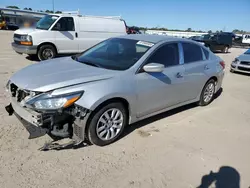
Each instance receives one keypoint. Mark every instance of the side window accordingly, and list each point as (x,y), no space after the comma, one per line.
(65,24)
(167,55)
(191,52)
(206,53)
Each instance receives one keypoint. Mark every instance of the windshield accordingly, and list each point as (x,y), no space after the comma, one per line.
(247,52)
(46,22)
(115,54)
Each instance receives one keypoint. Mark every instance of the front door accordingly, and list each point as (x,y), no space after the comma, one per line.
(157,91)
(66,36)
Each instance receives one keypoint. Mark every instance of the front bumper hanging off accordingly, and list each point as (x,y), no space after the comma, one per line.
(39,124)
(34,131)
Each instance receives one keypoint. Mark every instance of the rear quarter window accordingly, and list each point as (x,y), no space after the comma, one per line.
(206,53)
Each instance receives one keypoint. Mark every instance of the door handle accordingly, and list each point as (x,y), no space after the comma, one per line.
(76,34)
(179,75)
(206,67)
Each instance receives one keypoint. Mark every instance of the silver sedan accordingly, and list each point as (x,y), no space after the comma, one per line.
(241,63)
(95,94)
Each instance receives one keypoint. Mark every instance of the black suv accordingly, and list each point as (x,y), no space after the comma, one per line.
(219,41)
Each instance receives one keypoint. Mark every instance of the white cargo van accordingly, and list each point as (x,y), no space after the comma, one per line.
(66,34)
(246,39)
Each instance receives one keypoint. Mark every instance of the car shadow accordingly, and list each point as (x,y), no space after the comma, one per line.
(131,128)
(226,177)
(241,73)
(219,52)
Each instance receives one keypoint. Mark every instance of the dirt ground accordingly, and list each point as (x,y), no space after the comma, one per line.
(174,149)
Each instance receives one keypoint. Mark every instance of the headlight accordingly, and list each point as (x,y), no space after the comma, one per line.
(26,38)
(48,102)
(236,61)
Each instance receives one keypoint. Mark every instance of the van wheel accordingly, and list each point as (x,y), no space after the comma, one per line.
(46,52)
(225,49)
(207,94)
(107,124)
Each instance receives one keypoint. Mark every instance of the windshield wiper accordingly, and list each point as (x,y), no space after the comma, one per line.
(90,63)
(75,57)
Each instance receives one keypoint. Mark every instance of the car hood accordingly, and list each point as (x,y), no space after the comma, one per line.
(57,73)
(26,31)
(244,57)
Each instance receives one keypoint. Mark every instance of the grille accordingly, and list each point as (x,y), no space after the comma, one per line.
(244,68)
(16,36)
(19,94)
(245,63)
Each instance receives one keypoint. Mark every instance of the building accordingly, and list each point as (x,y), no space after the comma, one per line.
(185,34)
(17,17)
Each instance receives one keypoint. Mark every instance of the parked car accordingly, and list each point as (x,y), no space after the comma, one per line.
(120,81)
(66,34)
(218,41)
(241,63)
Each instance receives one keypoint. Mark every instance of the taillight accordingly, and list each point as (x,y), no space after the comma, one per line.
(222,63)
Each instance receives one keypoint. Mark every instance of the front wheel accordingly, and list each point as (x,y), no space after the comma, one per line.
(46,52)
(207,94)
(107,124)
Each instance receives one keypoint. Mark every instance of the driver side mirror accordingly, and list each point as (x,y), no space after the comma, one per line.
(153,67)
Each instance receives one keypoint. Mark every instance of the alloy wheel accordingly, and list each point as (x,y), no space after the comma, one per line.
(209,92)
(109,124)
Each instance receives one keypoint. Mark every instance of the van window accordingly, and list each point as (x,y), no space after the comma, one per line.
(46,22)
(65,24)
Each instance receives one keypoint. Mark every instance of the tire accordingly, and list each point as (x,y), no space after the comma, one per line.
(97,122)
(46,51)
(206,91)
(231,70)
(225,49)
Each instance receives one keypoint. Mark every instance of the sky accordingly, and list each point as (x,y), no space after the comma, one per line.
(203,15)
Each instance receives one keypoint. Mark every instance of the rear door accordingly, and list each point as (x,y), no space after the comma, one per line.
(66,36)
(196,63)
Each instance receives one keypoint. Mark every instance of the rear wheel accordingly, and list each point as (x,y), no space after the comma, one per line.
(107,124)
(225,49)
(46,52)
(207,94)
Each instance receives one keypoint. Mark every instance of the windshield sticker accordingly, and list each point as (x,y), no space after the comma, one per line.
(143,43)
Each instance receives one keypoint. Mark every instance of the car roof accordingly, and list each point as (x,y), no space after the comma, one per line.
(152,38)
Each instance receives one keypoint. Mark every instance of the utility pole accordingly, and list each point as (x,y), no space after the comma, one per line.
(53,6)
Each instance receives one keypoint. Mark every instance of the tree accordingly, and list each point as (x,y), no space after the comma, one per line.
(49,11)
(210,31)
(14,7)
(189,29)
(58,12)
(25,8)
(30,9)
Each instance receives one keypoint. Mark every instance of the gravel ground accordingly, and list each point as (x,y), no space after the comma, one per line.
(174,149)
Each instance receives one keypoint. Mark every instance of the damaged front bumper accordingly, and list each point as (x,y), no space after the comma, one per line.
(70,123)
(31,120)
